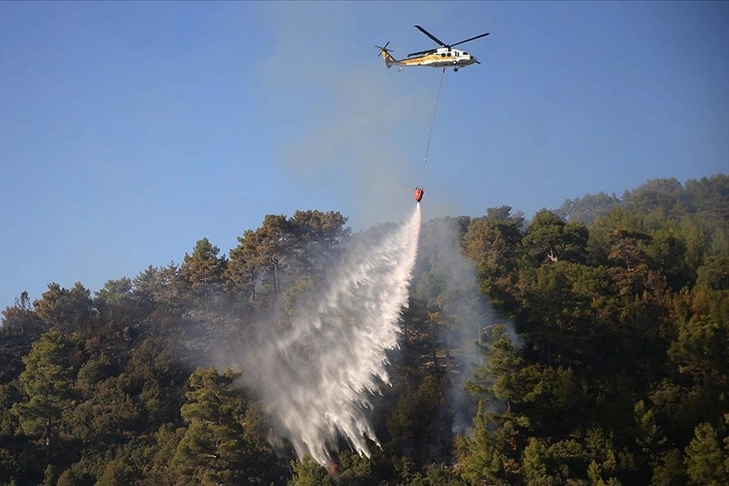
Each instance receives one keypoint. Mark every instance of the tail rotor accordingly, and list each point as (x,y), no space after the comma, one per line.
(384,48)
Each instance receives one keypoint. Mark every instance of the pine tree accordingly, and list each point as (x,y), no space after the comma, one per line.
(47,380)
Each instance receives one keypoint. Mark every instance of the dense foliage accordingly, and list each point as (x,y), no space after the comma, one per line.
(591,341)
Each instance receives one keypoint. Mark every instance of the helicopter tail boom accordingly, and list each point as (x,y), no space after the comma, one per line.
(389,60)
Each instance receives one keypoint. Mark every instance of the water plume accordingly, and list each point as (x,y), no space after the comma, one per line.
(315,380)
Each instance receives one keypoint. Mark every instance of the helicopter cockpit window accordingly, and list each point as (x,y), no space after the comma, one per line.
(465,53)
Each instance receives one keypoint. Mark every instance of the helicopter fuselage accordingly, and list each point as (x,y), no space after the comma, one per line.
(441,57)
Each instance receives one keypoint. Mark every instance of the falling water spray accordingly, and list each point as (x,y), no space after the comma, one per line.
(315,381)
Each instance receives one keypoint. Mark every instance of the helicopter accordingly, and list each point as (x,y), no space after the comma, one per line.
(444,56)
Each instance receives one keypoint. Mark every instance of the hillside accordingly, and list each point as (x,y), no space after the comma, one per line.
(584,346)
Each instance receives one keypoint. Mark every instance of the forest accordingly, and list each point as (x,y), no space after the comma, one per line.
(584,346)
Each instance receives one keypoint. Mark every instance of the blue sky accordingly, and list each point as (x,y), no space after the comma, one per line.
(130,130)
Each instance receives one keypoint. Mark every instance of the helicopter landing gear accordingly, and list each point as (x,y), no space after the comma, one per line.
(455,70)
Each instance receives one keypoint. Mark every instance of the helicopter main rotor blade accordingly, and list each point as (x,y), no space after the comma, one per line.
(429,51)
(431,36)
(469,40)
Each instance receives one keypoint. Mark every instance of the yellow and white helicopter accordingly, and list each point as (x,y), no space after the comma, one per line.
(444,56)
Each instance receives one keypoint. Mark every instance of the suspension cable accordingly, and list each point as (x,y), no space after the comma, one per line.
(432,122)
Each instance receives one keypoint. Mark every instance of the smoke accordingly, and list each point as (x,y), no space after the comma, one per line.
(359,132)
(458,297)
(315,379)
